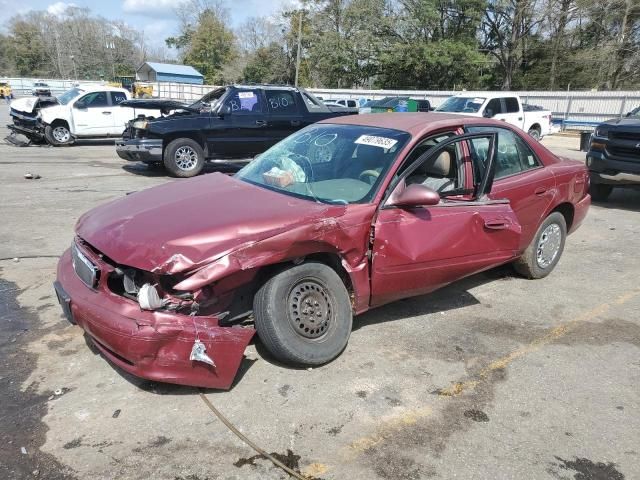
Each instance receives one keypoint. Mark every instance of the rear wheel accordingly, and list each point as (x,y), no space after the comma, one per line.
(600,192)
(303,315)
(58,134)
(535,133)
(544,252)
(184,158)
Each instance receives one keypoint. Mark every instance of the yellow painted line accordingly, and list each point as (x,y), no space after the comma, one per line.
(395,424)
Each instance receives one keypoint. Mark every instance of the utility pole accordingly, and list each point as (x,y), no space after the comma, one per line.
(299,45)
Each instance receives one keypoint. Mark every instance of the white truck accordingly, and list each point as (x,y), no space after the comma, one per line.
(82,112)
(506,107)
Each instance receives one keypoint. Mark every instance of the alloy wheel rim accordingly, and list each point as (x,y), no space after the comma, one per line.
(310,310)
(61,134)
(186,158)
(548,245)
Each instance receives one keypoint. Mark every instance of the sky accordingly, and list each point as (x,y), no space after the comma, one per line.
(156,17)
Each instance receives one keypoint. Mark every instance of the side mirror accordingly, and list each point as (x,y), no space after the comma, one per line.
(415,195)
(80,104)
(488,113)
(224,110)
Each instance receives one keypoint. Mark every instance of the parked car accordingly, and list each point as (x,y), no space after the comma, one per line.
(505,107)
(41,89)
(82,112)
(171,283)
(343,102)
(237,121)
(613,158)
(5,90)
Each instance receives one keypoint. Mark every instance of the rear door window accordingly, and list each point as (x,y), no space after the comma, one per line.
(117,98)
(512,105)
(281,102)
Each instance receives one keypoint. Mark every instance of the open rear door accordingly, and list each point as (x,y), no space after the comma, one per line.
(419,249)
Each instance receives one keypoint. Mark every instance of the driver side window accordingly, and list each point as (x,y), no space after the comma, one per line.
(245,102)
(95,100)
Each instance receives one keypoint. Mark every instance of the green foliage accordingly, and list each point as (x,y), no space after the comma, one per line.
(269,64)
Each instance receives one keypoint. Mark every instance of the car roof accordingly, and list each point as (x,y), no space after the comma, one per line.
(414,123)
(264,85)
(102,88)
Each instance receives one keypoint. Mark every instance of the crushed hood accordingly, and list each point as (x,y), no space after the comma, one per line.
(183,225)
(30,104)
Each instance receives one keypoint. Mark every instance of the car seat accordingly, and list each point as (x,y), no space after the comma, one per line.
(436,173)
(368,159)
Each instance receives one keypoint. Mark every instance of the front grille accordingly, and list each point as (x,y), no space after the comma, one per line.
(86,271)
(624,152)
(615,134)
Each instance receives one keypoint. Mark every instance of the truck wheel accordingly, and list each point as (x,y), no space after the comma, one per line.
(58,134)
(303,315)
(600,191)
(544,252)
(535,133)
(184,158)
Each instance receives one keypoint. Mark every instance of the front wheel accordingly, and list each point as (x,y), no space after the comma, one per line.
(544,252)
(184,158)
(58,135)
(303,315)
(600,192)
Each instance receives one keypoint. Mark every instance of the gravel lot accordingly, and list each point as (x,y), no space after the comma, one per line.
(494,377)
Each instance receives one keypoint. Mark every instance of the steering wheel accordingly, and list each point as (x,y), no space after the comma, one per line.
(305,164)
(369,176)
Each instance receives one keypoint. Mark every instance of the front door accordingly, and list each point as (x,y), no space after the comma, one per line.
(417,250)
(93,115)
(242,132)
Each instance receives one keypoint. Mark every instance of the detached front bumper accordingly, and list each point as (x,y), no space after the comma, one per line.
(146,150)
(35,132)
(153,345)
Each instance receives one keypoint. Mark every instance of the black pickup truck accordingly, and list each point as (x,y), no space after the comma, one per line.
(613,158)
(237,121)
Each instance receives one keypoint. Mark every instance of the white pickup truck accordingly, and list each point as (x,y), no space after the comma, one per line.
(505,107)
(82,112)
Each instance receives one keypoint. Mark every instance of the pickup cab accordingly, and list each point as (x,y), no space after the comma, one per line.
(81,112)
(236,121)
(505,107)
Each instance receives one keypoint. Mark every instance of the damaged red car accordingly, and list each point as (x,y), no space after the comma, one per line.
(171,283)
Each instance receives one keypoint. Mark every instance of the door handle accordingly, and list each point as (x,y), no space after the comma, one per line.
(496,224)
(540,191)
(520,118)
(106,113)
(295,123)
(261,123)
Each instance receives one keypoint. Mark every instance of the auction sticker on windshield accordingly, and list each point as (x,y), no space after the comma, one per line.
(375,141)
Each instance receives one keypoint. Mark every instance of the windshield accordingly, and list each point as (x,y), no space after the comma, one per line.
(69,95)
(210,101)
(634,113)
(461,104)
(327,163)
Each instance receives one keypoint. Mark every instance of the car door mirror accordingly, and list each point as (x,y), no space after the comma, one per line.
(415,195)
(80,105)
(488,113)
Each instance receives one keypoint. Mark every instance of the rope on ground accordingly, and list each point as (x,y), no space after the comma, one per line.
(26,257)
(241,436)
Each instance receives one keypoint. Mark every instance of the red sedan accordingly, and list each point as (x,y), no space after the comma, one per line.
(171,283)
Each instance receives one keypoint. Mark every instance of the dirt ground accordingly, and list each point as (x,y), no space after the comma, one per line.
(494,377)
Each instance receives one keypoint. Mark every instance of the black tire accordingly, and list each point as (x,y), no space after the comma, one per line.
(600,191)
(529,265)
(303,315)
(176,158)
(55,133)
(535,133)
